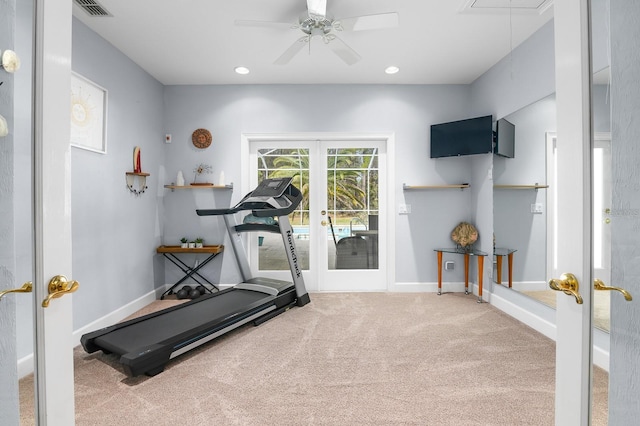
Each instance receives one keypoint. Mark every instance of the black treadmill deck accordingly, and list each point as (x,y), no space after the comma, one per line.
(146,346)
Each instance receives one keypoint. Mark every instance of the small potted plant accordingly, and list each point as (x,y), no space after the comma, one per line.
(192,244)
(199,242)
(184,242)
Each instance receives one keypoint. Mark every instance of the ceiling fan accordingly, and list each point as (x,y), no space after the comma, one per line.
(316,23)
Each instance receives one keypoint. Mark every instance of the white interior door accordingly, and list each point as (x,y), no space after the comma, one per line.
(573,211)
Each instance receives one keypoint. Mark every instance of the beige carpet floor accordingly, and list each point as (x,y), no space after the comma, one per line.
(344,359)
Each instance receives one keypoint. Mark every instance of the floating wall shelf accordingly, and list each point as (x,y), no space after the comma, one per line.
(535,186)
(406,187)
(207,186)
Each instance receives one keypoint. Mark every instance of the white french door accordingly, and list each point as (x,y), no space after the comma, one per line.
(344,213)
(49,228)
(578,163)
(573,212)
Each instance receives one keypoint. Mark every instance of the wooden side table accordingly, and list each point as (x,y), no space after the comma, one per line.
(467,254)
(499,254)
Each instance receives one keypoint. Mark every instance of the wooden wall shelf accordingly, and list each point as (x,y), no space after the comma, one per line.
(406,187)
(535,186)
(208,186)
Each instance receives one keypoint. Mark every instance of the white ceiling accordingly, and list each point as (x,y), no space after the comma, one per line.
(196,42)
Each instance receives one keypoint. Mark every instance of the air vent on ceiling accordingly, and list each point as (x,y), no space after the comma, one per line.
(516,6)
(92,7)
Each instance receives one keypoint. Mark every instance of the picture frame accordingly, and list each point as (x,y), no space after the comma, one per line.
(88,114)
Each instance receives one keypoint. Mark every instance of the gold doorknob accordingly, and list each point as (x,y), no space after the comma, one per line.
(607,221)
(607,211)
(568,283)
(58,287)
(599,285)
(26,288)
(324,223)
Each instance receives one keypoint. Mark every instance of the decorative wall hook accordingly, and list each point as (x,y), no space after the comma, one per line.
(4,128)
(10,61)
(141,179)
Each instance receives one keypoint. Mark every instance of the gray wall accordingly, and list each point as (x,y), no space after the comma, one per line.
(406,111)
(115,233)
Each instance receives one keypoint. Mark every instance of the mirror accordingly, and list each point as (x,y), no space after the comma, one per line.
(521,222)
(520,200)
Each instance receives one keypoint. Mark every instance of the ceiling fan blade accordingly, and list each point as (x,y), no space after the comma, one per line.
(340,48)
(317,8)
(369,22)
(292,51)
(264,24)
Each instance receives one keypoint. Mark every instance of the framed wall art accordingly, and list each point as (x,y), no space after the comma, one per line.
(88,115)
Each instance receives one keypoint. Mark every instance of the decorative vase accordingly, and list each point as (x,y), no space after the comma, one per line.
(180,179)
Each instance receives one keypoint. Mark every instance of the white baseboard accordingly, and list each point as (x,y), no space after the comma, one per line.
(25,366)
(530,285)
(536,322)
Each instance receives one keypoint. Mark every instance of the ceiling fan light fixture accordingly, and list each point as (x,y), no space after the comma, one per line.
(392,70)
(241,70)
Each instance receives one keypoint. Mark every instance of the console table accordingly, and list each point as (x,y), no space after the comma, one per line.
(500,253)
(467,254)
(171,252)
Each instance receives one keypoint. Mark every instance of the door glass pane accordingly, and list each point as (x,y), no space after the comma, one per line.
(352,204)
(273,163)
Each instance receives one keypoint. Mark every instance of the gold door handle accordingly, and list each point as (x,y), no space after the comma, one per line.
(58,287)
(26,288)
(599,285)
(568,283)
(324,223)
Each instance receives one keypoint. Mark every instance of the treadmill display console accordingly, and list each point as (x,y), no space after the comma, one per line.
(271,187)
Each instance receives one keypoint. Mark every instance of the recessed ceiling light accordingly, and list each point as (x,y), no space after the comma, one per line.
(242,70)
(392,70)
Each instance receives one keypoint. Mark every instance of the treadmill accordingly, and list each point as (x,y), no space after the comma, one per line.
(146,344)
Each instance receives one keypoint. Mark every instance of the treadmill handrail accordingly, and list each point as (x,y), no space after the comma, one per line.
(292,195)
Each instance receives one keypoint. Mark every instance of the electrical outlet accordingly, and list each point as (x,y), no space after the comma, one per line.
(536,208)
(404,208)
(448,265)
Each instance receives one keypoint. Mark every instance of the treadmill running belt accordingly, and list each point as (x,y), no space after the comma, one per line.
(175,322)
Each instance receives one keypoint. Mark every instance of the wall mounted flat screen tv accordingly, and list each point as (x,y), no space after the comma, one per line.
(464,137)
(505,139)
